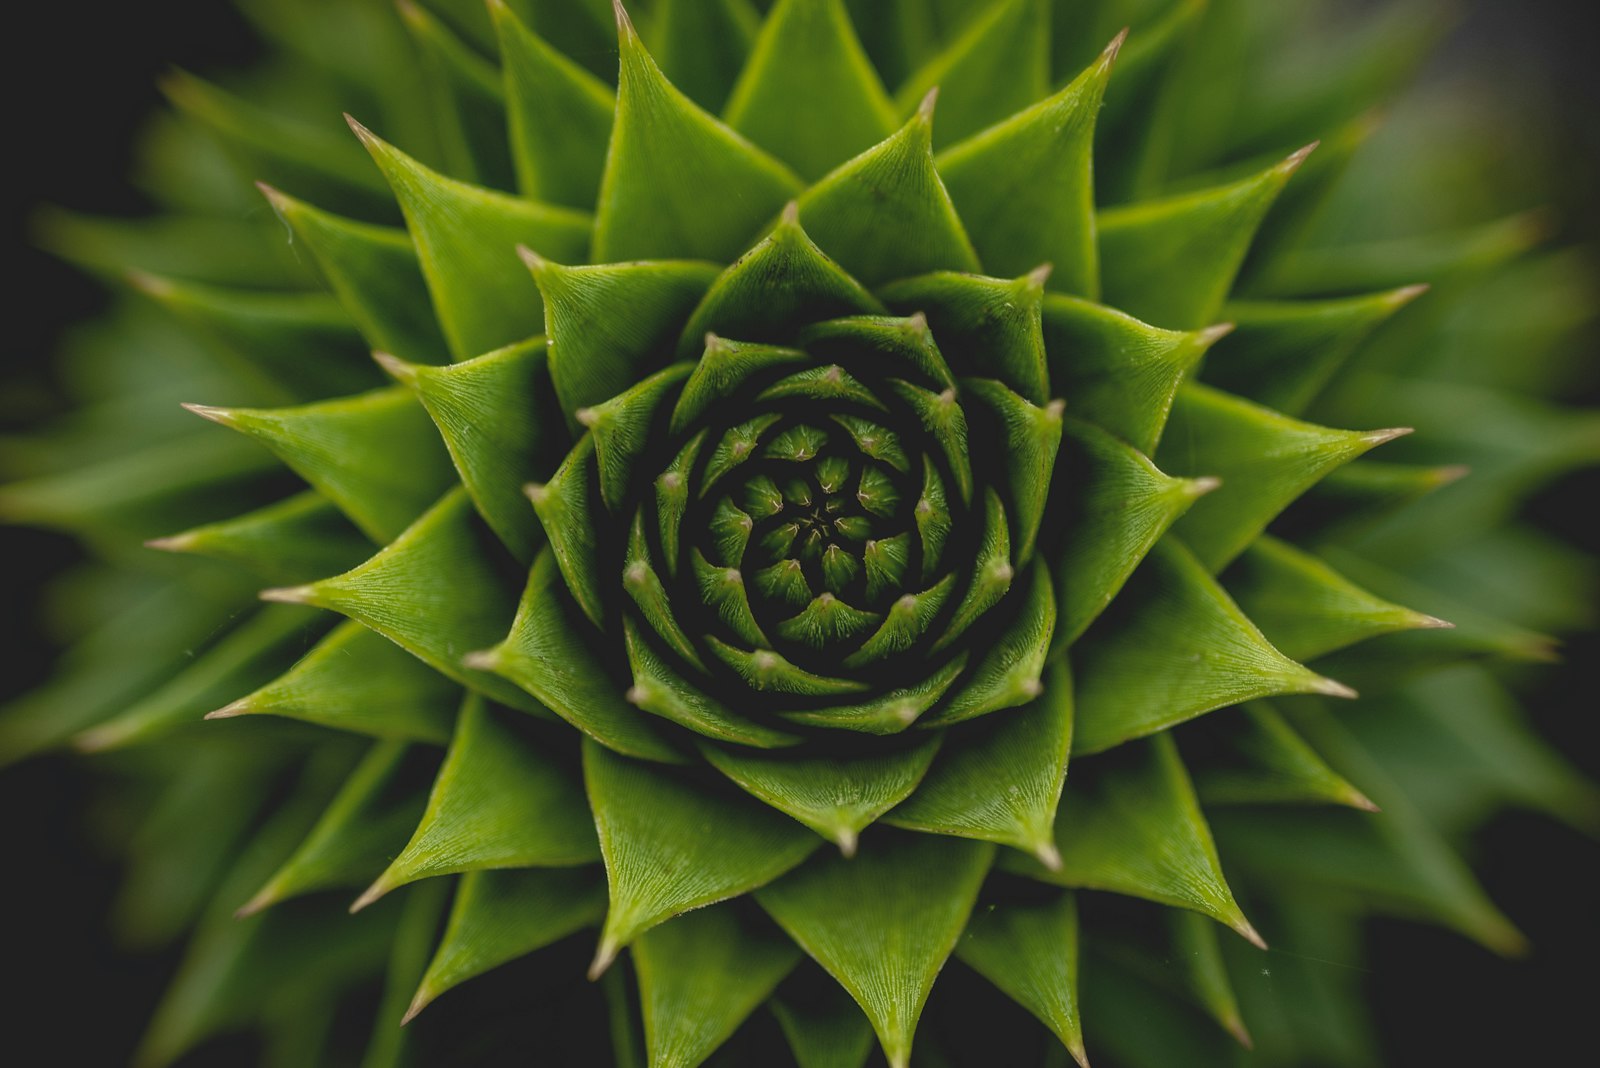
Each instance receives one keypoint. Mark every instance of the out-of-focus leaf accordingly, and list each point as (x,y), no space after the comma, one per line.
(297,539)
(996,67)
(1030,951)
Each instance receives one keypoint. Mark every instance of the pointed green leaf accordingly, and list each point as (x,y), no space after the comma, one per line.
(1030,951)
(901,348)
(1134,827)
(721,370)
(1114,505)
(503,799)
(825,1028)
(466,238)
(1029,437)
(414,935)
(499,916)
(584,30)
(566,507)
(700,975)
(547,654)
(1205,974)
(998,65)
(438,592)
(1265,460)
(363,826)
(672,497)
(723,589)
(644,585)
(808,51)
(783,281)
(1254,757)
(942,417)
(558,115)
(889,714)
(1355,497)
(467,101)
(714,199)
(764,669)
(702,44)
(1000,780)
(1120,374)
(987,327)
(836,796)
(992,572)
(374,455)
(621,429)
(885,214)
(909,895)
(297,539)
(672,844)
(1171,647)
(659,688)
(374,272)
(1025,186)
(596,353)
(906,623)
(1008,674)
(358,680)
(1172,262)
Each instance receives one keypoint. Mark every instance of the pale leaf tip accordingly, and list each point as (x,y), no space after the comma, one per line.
(151,285)
(1248,931)
(1109,55)
(482,659)
(537,492)
(1451,473)
(1079,1054)
(790,215)
(367,136)
(605,953)
(1241,1034)
(1048,854)
(925,108)
(234,708)
(211,412)
(587,416)
(1399,298)
(172,543)
(371,894)
(1423,621)
(1296,158)
(424,996)
(535,262)
(624,23)
(1033,282)
(265,897)
(394,366)
(1356,799)
(847,839)
(1379,437)
(289,594)
(1332,688)
(1212,334)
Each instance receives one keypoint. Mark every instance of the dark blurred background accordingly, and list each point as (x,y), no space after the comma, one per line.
(79,79)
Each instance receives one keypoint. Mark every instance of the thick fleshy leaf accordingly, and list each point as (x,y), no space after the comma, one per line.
(714,198)
(363,826)
(1120,374)
(1025,186)
(1171,262)
(987,327)
(584,30)
(374,455)
(885,214)
(1008,675)
(1265,460)
(905,346)
(723,367)
(466,238)
(807,50)
(1029,436)
(1000,780)
(595,353)
(566,507)
(467,101)
(621,429)
(503,799)
(824,1027)
(499,916)
(1030,951)
(1305,607)
(558,116)
(373,271)
(1282,353)
(784,281)
(1114,505)
(358,680)
(672,844)
(297,539)
(499,420)
(547,654)
(889,714)
(910,896)
(1171,647)
(702,44)
(997,66)
(659,688)
(1204,973)
(836,796)
(764,669)
(1252,756)
(437,591)
(700,975)
(1133,826)
(992,572)
(301,345)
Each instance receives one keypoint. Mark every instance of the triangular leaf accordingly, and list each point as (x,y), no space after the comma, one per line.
(1252,757)
(297,539)
(825,1028)
(1030,951)
(987,327)
(621,428)
(467,101)
(702,44)
(1008,675)
(996,67)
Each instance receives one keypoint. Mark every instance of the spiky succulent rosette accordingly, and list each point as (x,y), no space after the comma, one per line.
(778,482)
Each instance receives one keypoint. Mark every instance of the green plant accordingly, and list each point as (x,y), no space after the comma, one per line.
(838,473)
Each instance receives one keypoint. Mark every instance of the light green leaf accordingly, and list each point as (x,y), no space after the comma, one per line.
(910,896)
(499,420)
(374,272)
(764,669)
(710,204)
(1025,186)
(807,50)
(700,975)
(1113,506)
(466,238)
(1132,826)
(499,916)
(943,418)
(889,714)
(1029,439)
(1171,647)
(297,539)
(1265,460)
(468,103)
(1030,951)
(622,426)
(885,214)
(998,65)
(836,796)
(1000,780)
(436,592)
(503,799)
(992,572)
(901,348)
(1172,261)
(722,368)
(595,354)
(358,680)
(672,844)
(660,689)
(566,506)
(1008,674)
(702,44)
(584,30)
(1252,756)
(558,116)
(987,327)
(374,455)
(547,654)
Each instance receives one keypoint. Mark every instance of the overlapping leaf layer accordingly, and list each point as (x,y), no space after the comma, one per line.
(807,422)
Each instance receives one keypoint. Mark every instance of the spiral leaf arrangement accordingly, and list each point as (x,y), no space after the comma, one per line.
(839,474)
